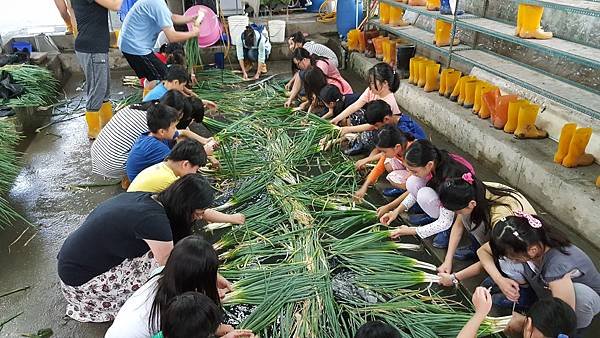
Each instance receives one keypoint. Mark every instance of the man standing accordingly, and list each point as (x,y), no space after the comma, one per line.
(91,48)
(145,20)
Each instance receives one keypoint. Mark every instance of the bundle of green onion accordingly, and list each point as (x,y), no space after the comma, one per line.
(40,87)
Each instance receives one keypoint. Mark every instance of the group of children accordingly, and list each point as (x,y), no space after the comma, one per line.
(531,266)
(134,260)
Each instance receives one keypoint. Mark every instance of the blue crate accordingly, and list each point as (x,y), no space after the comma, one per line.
(20,45)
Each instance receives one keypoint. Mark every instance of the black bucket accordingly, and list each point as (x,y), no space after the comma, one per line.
(403,55)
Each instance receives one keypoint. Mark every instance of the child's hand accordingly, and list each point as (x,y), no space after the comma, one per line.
(238,218)
(288,103)
(445,279)
(360,194)
(509,288)
(446,267)
(402,230)
(388,217)
(239,333)
(482,301)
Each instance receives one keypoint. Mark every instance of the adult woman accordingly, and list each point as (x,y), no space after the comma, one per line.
(479,207)
(144,21)
(530,252)
(430,167)
(113,252)
(303,60)
(192,266)
(252,46)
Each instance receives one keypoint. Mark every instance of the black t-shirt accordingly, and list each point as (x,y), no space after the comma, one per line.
(113,232)
(92,27)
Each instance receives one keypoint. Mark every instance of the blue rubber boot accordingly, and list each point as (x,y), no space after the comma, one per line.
(441,240)
(446,9)
(393,192)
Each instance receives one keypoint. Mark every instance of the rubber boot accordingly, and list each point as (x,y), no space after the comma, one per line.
(478,92)
(393,52)
(447,10)
(433,5)
(417,2)
(470,87)
(461,94)
(530,23)
(443,80)
(526,123)
(106,113)
(417,63)
(92,118)
(396,17)
(386,51)
(411,69)
(513,115)
(404,52)
(362,42)
(485,111)
(423,72)
(520,19)
(566,135)
(443,30)
(500,115)
(431,80)
(263,68)
(384,13)
(577,156)
(451,81)
(378,42)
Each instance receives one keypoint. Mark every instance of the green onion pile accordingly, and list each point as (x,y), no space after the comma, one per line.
(40,87)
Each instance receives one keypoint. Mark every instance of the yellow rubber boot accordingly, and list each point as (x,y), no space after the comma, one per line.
(451,81)
(470,87)
(443,80)
(416,64)
(530,23)
(478,92)
(92,118)
(577,156)
(417,2)
(423,72)
(106,113)
(462,93)
(386,51)
(384,13)
(598,182)
(513,115)
(526,123)
(431,81)
(520,19)
(433,5)
(396,17)
(443,31)
(411,69)
(566,135)
(486,108)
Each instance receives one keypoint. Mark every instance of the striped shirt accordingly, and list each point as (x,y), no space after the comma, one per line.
(321,50)
(111,148)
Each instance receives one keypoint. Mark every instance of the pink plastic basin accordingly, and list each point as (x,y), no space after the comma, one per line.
(210,27)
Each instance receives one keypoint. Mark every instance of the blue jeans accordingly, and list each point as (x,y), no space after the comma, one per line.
(252,54)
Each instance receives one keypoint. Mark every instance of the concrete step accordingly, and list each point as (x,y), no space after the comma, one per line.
(584,7)
(568,194)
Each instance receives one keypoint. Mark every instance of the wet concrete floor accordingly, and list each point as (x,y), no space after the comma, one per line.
(54,159)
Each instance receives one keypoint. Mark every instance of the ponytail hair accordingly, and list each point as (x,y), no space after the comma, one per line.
(444,166)
(515,234)
(383,72)
(390,137)
(331,93)
(300,54)
(172,98)
(455,194)
(248,37)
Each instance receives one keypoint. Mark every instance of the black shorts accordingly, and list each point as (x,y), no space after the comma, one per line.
(147,66)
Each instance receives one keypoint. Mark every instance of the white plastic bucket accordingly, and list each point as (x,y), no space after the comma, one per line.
(277,30)
(237,25)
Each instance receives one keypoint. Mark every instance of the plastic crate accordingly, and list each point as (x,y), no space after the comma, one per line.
(21,45)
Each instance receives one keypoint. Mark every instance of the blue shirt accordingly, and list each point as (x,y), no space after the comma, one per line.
(408,125)
(145,152)
(142,25)
(156,93)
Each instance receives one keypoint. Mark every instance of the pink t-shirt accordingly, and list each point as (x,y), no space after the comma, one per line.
(368,96)
(334,77)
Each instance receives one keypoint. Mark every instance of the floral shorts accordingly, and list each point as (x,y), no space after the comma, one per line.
(99,299)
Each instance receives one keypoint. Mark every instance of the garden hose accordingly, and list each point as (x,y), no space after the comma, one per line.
(324,16)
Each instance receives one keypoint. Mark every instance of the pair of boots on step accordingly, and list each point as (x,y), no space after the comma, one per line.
(571,147)
(96,120)
(432,5)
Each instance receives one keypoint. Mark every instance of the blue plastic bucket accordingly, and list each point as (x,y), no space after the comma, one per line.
(347,16)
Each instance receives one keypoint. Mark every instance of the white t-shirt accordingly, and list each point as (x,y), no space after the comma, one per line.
(132,321)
